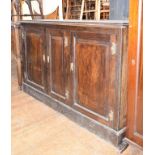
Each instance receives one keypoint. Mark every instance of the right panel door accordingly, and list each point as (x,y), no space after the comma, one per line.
(95,88)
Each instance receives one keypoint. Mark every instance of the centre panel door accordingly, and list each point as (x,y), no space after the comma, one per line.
(95,75)
(58,59)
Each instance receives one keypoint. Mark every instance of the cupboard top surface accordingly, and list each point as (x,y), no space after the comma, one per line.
(90,23)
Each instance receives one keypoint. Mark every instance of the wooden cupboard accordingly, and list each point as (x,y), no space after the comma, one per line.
(34,55)
(98,66)
(79,69)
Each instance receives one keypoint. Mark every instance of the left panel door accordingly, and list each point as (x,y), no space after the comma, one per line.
(34,57)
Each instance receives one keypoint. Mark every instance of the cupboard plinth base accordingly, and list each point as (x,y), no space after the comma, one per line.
(108,134)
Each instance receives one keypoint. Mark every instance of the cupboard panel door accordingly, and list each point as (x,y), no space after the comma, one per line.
(34,57)
(95,75)
(58,65)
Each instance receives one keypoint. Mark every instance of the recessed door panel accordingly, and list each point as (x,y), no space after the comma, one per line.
(58,65)
(92,67)
(95,75)
(35,57)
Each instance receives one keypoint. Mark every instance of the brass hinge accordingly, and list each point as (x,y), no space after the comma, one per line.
(111,115)
(43,57)
(23,35)
(133,62)
(113,48)
(71,66)
(65,41)
(25,75)
(67,94)
(48,59)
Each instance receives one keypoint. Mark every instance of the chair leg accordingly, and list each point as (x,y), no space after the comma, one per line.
(60,10)
(28,2)
(85,5)
(18,58)
(98,8)
(67,10)
(41,9)
(82,9)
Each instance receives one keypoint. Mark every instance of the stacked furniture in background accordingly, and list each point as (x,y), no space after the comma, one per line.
(87,9)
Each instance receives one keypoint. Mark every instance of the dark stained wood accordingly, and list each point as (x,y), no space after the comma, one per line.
(91,54)
(57,65)
(34,57)
(135,82)
(97,76)
(82,65)
(92,75)
(124,84)
(58,55)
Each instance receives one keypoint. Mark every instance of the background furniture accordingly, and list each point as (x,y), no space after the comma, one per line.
(87,9)
(135,74)
(105,9)
(72,9)
(15,37)
(91,9)
(17,6)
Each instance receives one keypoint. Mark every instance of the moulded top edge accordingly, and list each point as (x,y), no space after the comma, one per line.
(76,22)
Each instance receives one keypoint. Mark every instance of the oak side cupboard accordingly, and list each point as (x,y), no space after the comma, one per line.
(91,71)
(79,69)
